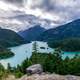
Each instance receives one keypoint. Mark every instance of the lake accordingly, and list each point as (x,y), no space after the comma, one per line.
(23,51)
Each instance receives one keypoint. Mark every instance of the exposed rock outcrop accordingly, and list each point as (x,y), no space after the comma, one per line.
(35,69)
(44,76)
(70,77)
(50,77)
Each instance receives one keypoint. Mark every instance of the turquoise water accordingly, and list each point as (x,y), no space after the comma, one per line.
(25,50)
(70,54)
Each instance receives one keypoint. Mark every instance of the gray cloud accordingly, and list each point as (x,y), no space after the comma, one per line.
(15,2)
(65,9)
(45,4)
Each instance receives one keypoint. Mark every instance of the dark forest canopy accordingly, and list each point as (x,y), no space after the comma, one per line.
(70,44)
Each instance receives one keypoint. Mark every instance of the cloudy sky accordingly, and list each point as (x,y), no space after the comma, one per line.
(57,11)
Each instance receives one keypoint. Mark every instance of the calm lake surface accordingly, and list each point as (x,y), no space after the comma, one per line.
(23,51)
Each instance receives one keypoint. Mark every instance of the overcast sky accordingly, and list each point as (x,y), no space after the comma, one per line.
(55,10)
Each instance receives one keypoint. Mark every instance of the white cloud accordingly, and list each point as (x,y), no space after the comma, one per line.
(7,7)
(50,16)
(62,9)
(36,12)
(59,11)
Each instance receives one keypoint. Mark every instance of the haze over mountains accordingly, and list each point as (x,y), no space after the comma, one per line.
(69,30)
(19,15)
(39,29)
(25,22)
(33,33)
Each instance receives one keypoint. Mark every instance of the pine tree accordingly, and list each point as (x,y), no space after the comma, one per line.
(53,62)
(9,68)
(35,47)
(26,63)
(34,53)
(2,70)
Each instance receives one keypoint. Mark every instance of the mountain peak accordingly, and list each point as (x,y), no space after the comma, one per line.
(32,33)
(69,30)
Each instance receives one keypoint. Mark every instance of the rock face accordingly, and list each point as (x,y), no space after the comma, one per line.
(45,77)
(35,69)
(70,77)
(50,77)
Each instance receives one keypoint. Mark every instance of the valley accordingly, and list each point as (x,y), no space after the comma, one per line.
(8,38)
(39,40)
(25,51)
(21,45)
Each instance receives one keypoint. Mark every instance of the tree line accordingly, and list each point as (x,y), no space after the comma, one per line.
(51,62)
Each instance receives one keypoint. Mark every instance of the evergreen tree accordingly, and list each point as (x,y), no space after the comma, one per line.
(26,63)
(53,62)
(34,57)
(9,68)
(35,47)
(2,70)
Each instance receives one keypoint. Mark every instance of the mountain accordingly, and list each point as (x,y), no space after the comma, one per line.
(10,38)
(70,30)
(32,33)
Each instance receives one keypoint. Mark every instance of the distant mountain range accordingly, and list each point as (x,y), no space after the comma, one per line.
(37,32)
(33,33)
(70,30)
(9,38)
(61,36)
